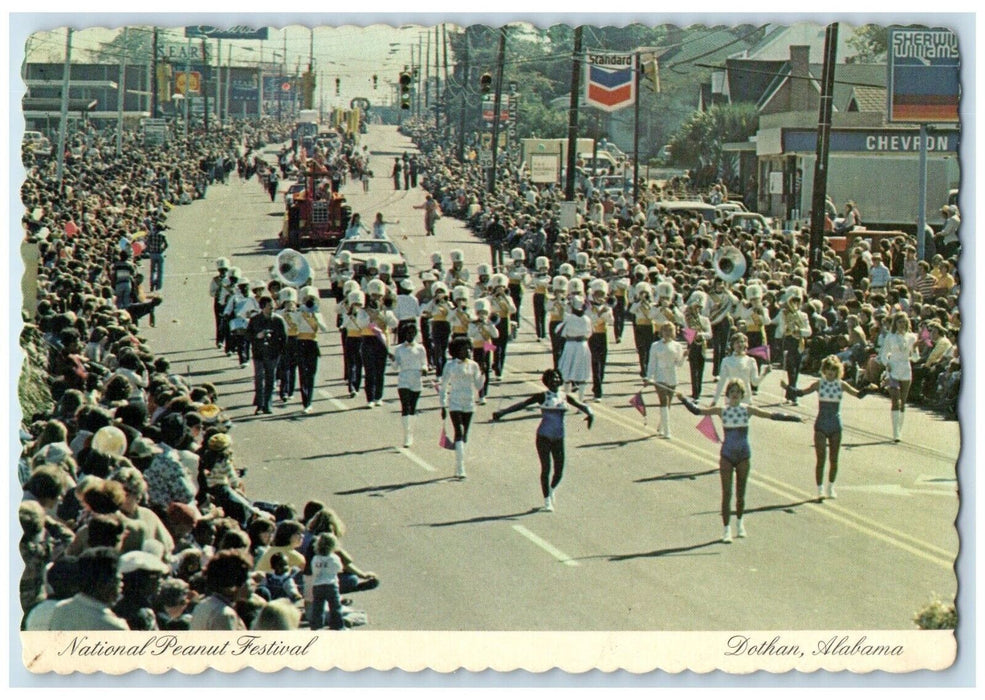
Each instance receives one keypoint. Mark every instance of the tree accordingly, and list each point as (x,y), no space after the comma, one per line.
(872,43)
(698,144)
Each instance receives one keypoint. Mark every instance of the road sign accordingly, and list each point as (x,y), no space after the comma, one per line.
(504,109)
(610,80)
(544,167)
(485,158)
(924,75)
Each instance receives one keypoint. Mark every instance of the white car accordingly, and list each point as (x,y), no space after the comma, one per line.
(750,222)
(361,249)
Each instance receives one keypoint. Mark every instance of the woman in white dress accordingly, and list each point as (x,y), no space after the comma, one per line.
(896,355)
(575,364)
(666,355)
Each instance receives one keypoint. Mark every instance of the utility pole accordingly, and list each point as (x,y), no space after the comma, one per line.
(427,72)
(188,80)
(420,48)
(461,100)
(218,81)
(569,180)
(122,95)
(437,79)
(63,122)
(154,86)
(823,144)
(500,60)
(229,77)
(636,130)
(260,84)
(444,49)
(205,87)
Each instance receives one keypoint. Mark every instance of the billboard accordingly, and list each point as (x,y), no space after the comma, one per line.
(204,31)
(924,75)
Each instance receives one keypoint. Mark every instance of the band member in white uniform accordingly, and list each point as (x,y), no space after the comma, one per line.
(437,311)
(792,326)
(218,284)
(542,285)
(482,331)
(601,316)
(287,371)
(355,301)
(502,310)
(517,274)
(376,321)
(695,320)
(309,322)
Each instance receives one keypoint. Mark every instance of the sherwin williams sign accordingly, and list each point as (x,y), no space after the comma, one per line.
(924,76)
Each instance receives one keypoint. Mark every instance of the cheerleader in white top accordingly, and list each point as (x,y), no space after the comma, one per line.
(736,454)
(896,355)
(461,380)
(827,428)
(666,355)
(553,404)
(411,363)
(739,366)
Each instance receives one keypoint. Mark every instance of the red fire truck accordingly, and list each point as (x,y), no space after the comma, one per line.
(314,215)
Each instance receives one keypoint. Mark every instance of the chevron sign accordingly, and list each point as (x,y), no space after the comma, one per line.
(610,80)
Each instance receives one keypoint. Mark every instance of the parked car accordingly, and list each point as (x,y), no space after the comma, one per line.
(679,206)
(731,207)
(749,221)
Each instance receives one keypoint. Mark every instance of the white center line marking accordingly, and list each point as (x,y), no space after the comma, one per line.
(335,402)
(546,546)
(415,459)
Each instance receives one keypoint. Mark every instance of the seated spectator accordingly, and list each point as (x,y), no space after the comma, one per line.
(100,583)
(228,581)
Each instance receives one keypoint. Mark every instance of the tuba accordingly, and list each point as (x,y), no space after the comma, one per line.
(291,268)
(729,264)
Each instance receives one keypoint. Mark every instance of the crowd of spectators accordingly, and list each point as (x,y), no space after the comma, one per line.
(847,299)
(133,514)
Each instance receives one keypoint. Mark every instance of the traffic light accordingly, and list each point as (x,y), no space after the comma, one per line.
(338,85)
(374,81)
(405,90)
(485,83)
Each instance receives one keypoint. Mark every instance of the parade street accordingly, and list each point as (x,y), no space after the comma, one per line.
(634,542)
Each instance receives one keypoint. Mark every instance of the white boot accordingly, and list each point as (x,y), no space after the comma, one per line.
(896,425)
(580,391)
(820,492)
(741,532)
(460,460)
(548,504)
(408,437)
(727,535)
(902,415)
(829,490)
(665,421)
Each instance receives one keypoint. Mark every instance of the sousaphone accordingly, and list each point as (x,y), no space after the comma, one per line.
(729,264)
(291,269)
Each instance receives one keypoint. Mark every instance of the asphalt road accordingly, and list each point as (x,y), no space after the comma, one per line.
(634,542)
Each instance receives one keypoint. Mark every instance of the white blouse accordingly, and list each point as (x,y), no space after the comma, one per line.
(460,382)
